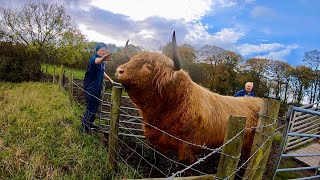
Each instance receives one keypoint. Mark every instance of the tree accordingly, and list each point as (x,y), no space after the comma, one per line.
(312,58)
(303,77)
(232,61)
(225,73)
(41,27)
(188,60)
(70,48)
(280,73)
(256,70)
(187,53)
(210,54)
(17,63)
(221,69)
(213,56)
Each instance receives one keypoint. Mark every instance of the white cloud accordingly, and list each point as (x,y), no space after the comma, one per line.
(261,11)
(93,35)
(246,49)
(139,10)
(151,32)
(198,35)
(277,55)
(228,35)
(270,51)
(225,3)
(281,54)
(150,23)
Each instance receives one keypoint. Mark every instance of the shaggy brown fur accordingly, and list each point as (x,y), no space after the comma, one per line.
(172,102)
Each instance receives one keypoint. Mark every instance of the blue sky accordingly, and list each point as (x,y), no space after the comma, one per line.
(279,30)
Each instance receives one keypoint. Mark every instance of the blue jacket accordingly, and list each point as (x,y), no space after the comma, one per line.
(244,93)
(94,75)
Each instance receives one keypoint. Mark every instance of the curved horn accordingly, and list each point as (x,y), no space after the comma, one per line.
(128,55)
(175,54)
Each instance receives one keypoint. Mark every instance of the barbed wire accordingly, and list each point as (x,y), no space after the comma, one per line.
(213,152)
(243,164)
(88,92)
(164,155)
(121,159)
(137,153)
(187,142)
(95,131)
(267,125)
(264,154)
(204,147)
(217,150)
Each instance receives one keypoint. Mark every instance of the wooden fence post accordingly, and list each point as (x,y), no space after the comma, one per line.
(54,80)
(47,72)
(71,87)
(42,71)
(114,127)
(231,152)
(61,77)
(263,137)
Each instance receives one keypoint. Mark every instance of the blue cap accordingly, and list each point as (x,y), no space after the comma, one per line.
(100,45)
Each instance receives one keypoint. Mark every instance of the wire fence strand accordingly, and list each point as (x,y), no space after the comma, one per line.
(191,166)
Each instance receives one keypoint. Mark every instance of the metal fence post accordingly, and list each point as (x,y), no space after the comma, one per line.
(283,141)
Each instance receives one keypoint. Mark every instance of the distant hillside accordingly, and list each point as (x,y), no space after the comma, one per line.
(40,137)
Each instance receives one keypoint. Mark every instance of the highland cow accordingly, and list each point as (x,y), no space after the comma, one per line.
(170,101)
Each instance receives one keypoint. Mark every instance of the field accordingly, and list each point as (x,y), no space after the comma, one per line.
(77,74)
(40,137)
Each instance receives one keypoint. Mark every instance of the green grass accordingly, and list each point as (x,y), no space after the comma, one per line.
(290,163)
(287,163)
(40,137)
(77,74)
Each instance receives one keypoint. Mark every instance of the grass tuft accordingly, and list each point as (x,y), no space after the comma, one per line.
(40,137)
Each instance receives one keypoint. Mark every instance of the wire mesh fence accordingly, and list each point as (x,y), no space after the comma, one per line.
(146,161)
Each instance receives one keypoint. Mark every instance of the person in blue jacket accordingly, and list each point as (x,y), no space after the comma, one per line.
(93,84)
(247,91)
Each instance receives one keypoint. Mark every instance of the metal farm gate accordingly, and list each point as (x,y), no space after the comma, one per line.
(301,139)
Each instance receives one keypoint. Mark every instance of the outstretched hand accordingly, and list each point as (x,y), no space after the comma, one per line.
(107,57)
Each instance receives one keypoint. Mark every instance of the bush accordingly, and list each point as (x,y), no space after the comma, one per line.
(17,64)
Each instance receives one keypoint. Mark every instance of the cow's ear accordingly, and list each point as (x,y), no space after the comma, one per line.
(126,51)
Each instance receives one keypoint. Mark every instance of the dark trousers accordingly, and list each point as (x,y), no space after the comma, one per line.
(92,107)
